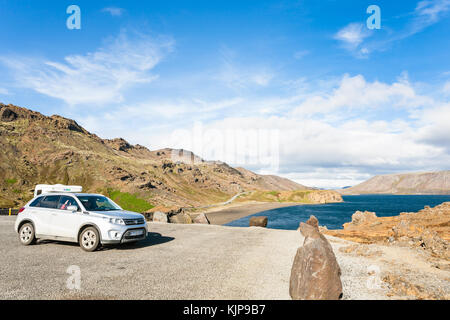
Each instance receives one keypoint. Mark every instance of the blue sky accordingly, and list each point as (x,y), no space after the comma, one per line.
(327,101)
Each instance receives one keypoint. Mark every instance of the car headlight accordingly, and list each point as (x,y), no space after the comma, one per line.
(117,221)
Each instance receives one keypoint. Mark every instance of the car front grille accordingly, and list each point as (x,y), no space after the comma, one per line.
(131,222)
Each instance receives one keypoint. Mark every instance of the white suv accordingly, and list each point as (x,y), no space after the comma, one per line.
(87,219)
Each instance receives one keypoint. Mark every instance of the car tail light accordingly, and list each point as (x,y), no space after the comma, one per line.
(21,209)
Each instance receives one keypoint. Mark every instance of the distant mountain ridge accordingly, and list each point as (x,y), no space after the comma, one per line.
(41,149)
(404,183)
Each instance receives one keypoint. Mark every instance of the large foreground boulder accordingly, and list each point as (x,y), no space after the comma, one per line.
(258,222)
(315,273)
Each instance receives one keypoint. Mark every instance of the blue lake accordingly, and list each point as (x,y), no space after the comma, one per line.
(334,215)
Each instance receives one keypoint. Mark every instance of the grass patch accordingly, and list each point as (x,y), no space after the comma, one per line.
(11,181)
(129,201)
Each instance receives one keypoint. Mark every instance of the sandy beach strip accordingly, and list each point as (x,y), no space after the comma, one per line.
(224,214)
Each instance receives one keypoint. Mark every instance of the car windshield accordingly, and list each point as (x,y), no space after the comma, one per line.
(98,203)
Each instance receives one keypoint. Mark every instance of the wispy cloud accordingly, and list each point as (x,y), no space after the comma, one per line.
(446,88)
(358,40)
(114,11)
(99,77)
(300,54)
(432,10)
(425,14)
(238,75)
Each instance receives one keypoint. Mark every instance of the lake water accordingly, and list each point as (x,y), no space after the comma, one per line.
(334,215)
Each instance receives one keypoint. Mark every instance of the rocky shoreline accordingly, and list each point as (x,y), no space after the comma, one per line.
(428,229)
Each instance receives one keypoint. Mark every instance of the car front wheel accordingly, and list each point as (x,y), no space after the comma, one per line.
(26,234)
(89,239)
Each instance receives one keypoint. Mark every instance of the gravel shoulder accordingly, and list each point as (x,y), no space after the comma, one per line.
(226,213)
(177,262)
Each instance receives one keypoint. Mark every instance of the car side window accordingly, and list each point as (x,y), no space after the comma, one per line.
(49,202)
(66,201)
(36,202)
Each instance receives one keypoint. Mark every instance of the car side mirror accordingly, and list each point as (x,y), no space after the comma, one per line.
(72,208)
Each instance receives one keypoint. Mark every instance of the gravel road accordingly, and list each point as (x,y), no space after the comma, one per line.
(175,262)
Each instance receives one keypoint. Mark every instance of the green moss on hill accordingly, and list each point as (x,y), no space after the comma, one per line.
(129,201)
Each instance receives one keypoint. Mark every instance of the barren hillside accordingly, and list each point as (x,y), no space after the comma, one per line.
(40,149)
(406,183)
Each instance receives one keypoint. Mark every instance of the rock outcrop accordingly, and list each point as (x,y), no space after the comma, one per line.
(315,273)
(258,221)
(361,218)
(295,196)
(428,229)
(324,196)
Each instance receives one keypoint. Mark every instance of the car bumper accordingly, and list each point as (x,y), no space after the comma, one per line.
(124,235)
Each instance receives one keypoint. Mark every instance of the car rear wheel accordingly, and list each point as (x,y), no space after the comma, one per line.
(89,239)
(26,234)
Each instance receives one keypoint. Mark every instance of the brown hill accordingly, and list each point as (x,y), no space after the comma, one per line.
(405,183)
(40,149)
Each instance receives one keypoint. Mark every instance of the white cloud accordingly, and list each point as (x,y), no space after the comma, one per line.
(356,93)
(435,129)
(99,77)
(114,11)
(314,150)
(4,91)
(352,35)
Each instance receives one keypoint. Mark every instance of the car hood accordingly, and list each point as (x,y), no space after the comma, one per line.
(118,214)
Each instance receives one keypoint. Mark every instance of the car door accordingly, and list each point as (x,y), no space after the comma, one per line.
(65,223)
(42,214)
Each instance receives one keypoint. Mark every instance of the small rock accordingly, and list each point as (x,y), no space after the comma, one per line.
(258,221)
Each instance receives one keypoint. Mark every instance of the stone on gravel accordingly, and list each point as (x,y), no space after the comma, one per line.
(201,218)
(159,216)
(315,273)
(258,221)
(182,218)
